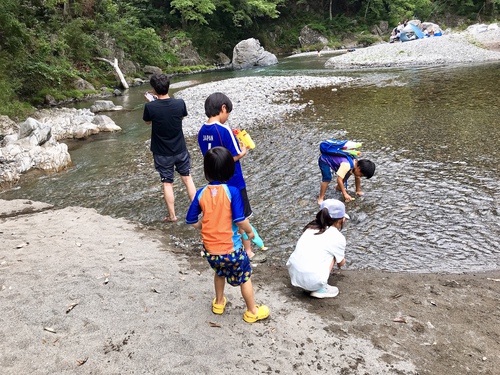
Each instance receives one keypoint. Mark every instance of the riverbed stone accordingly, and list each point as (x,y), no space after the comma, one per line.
(105,123)
(104,105)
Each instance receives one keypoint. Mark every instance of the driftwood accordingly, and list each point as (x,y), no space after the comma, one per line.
(114,64)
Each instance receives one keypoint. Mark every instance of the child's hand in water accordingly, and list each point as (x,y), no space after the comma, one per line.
(348,198)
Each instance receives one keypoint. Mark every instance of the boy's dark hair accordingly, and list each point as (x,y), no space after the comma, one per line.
(214,103)
(160,82)
(367,167)
(322,222)
(218,164)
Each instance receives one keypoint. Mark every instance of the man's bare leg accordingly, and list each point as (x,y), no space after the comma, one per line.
(191,189)
(168,194)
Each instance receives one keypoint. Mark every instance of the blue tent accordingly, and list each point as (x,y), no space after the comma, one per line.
(410,32)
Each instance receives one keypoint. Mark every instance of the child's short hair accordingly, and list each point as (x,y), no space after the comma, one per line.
(218,164)
(214,103)
(160,82)
(367,167)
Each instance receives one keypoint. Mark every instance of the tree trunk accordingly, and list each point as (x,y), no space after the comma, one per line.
(114,64)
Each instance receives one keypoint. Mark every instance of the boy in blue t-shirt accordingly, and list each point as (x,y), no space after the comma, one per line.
(215,133)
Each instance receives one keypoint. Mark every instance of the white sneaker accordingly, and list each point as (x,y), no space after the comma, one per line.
(327,292)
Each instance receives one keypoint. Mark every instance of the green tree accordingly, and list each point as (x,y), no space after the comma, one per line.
(396,10)
(193,10)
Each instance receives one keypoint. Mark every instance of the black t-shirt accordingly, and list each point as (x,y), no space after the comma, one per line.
(166,116)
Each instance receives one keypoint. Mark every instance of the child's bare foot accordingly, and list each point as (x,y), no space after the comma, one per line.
(250,254)
(320,200)
(169,219)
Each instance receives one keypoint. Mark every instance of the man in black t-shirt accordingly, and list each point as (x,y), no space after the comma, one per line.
(168,145)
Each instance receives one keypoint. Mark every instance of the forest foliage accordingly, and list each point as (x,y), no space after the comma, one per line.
(45,45)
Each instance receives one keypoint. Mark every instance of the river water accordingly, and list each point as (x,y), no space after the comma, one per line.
(433,133)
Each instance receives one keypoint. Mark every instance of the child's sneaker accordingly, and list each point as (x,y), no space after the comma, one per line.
(327,292)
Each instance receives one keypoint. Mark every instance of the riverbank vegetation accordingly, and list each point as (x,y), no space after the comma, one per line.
(47,45)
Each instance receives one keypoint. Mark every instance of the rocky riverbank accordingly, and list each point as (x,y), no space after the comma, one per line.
(34,143)
(255,99)
(475,45)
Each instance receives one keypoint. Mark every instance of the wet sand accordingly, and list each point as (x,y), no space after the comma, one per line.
(86,293)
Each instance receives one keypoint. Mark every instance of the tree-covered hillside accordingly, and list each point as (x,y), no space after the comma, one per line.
(45,45)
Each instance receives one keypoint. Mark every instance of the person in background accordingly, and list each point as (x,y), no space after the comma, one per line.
(168,145)
(318,249)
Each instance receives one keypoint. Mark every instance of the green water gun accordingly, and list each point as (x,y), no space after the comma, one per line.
(256,238)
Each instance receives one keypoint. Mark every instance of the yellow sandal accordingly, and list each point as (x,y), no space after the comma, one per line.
(218,309)
(262,313)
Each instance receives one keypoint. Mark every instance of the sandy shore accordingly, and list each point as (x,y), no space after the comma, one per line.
(86,293)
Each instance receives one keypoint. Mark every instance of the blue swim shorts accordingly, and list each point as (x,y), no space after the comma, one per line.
(326,171)
(235,266)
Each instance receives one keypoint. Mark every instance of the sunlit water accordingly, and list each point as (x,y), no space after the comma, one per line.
(431,206)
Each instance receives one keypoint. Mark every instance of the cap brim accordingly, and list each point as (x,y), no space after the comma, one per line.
(347,217)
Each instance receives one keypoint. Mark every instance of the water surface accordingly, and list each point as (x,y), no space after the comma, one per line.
(432,132)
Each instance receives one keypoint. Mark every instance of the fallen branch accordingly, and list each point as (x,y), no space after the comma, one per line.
(114,64)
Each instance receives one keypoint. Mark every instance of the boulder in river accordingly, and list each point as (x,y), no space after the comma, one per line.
(249,53)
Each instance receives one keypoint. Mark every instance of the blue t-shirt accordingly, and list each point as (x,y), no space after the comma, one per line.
(213,135)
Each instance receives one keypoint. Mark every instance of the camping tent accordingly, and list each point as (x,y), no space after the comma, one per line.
(410,32)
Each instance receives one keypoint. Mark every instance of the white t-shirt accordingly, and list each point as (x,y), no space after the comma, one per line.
(309,264)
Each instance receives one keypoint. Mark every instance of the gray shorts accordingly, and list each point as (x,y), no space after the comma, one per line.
(165,165)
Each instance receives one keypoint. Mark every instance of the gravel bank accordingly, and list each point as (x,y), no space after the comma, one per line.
(255,99)
(460,48)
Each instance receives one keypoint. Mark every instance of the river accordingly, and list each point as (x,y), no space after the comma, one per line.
(433,133)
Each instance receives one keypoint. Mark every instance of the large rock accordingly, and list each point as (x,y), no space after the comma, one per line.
(105,124)
(380,29)
(428,27)
(249,53)
(128,67)
(104,105)
(150,70)
(185,51)
(82,85)
(312,38)
(32,147)
(222,59)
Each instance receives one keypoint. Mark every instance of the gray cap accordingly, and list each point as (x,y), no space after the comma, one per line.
(335,208)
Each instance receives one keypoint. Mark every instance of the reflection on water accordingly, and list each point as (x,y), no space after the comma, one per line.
(431,206)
